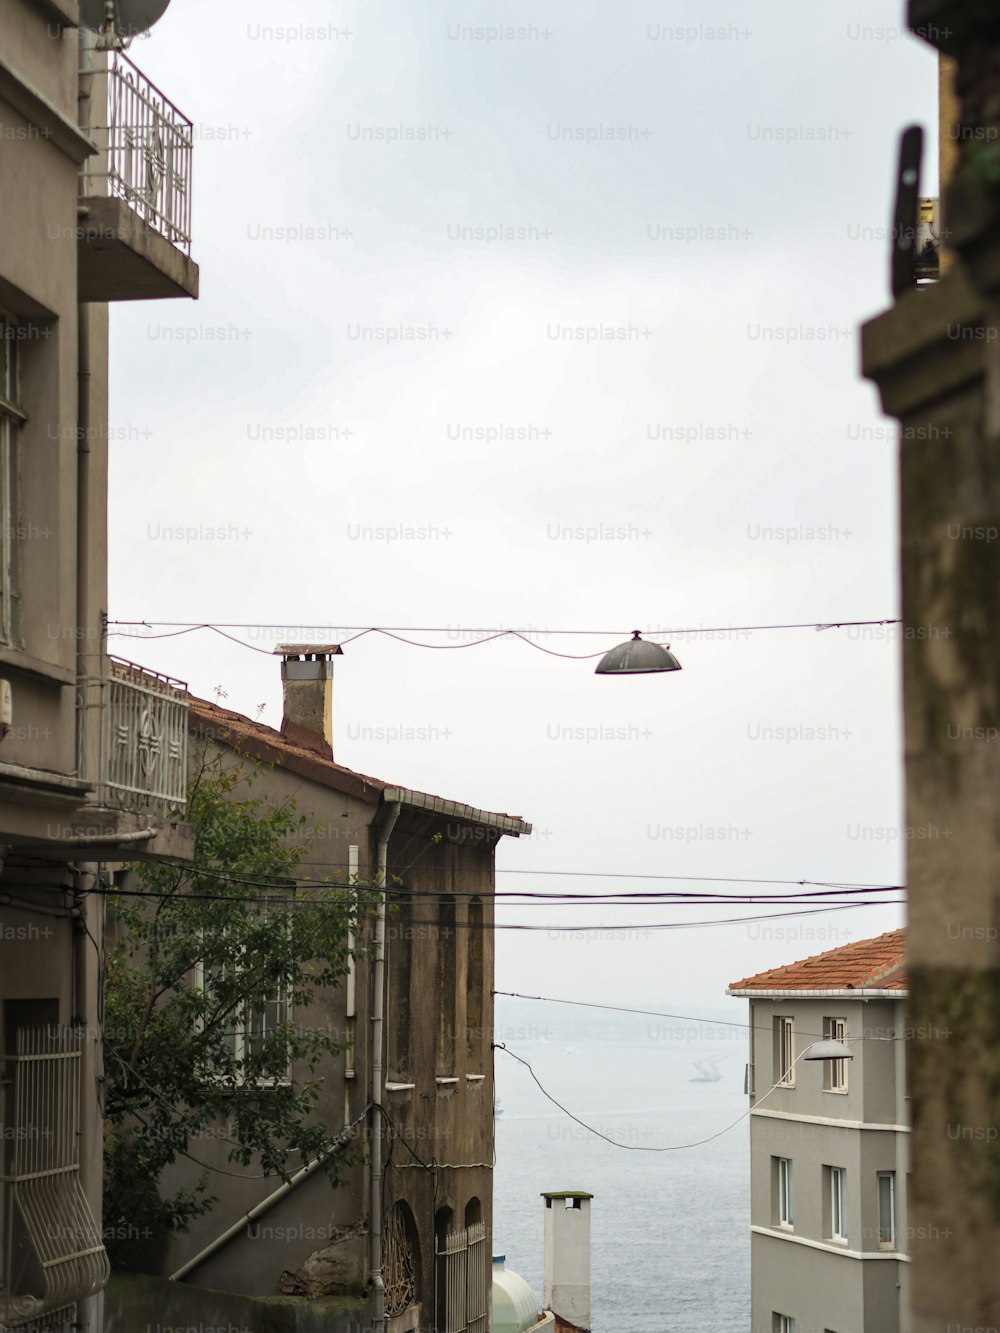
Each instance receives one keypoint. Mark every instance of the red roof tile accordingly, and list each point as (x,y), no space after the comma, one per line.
(310,757)
(875,964)
(260,742)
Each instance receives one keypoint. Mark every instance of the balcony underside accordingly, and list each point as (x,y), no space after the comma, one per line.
(58,820)
(123,259)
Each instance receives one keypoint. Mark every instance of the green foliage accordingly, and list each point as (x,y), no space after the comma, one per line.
(203,984)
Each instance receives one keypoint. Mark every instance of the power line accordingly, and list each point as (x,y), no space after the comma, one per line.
(682,1018)
(638,1147)
(435,923)
(176,628)
(459,629)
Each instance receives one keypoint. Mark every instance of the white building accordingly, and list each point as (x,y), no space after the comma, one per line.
(828,1142)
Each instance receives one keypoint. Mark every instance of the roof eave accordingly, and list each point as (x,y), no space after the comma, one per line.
(468,814)
(788,993)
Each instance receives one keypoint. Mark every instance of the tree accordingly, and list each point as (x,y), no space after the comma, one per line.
(205,968)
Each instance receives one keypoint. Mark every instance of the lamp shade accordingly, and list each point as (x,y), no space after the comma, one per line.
(637,657)
(828,1050)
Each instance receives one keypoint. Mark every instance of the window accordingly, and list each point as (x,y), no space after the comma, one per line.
(11,417)
(834,1071)
(784,1053)
(782,1323)
(782,1214)
(250,1029)
(837,1189)
(887,1209)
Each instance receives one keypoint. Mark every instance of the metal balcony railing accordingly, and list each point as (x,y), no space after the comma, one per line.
(132,736)
(146,152)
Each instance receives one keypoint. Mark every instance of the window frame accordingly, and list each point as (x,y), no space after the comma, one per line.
(838,1203)
(12,417)
(889,1176)
(784,1050)
(835,1071)
(784,1211)
(243,1035)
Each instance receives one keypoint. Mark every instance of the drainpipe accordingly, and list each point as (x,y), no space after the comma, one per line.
(378,1018)
(901,1202)
(82,484)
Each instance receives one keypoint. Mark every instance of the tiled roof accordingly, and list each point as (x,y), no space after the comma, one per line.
(261,742)
(875,964)
(310,757)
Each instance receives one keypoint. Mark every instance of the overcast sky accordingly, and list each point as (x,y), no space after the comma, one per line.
(553,329)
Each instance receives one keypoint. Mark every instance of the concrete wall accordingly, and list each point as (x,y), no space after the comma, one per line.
(934,356)
(136,1304)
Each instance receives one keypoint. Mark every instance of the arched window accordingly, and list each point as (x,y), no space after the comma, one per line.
(400,1259)
(473,1212)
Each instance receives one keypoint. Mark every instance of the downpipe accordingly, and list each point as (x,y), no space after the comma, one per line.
(375,1091)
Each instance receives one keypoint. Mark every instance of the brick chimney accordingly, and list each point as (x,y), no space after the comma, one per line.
(307,686)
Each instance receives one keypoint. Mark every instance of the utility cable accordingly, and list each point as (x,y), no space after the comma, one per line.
(637,1147)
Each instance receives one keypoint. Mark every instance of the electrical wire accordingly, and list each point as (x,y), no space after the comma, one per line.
(682,1018)
(435,922)
(638,1147)
(175,628)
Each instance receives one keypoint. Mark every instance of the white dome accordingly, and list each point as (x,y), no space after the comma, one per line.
(514,1306)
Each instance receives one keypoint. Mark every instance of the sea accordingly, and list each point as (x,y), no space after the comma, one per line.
(670,1231)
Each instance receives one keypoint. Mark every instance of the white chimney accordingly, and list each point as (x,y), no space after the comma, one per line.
(307,685)
(567,1258)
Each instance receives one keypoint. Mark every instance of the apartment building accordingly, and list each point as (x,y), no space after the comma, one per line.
(94,165)
(829,1142)
(407,1233)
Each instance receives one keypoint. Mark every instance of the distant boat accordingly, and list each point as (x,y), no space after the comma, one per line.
(570,1050)
(497,1110)
(707,1072)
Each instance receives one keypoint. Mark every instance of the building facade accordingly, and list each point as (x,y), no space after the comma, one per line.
(934,356)
(408,1232)
(92,762)
(829,1142)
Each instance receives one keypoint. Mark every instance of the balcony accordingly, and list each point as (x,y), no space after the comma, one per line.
(132,738)
(135,195)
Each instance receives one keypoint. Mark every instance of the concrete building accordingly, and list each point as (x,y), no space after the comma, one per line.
(92,761)
(415,1221)
(829,1142)
(935,358)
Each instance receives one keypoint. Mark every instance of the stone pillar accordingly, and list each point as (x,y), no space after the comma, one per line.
(935,357)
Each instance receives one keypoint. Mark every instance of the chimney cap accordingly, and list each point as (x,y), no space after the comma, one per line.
(308,650)
(566,1194)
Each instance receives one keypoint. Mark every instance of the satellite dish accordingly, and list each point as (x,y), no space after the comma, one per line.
(130,16)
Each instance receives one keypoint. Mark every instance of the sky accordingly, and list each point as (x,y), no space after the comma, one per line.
(545,316)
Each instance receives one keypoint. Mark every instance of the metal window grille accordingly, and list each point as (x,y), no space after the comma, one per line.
(397,1265)
(138,720)
(149,149)
(461,1298)
(51,1246)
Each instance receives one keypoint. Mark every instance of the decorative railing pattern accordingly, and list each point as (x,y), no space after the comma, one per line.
(52,1252)
(140,719)
(147,150)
